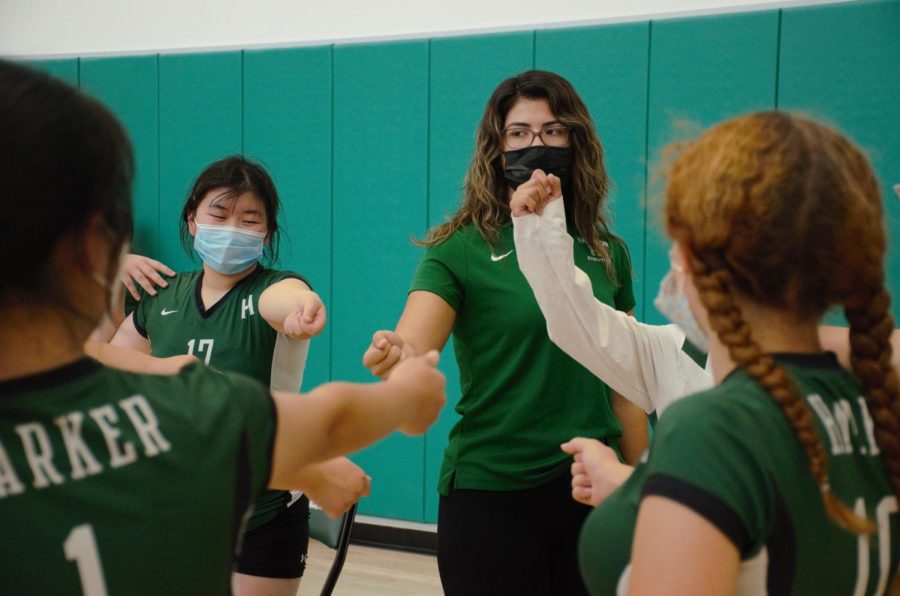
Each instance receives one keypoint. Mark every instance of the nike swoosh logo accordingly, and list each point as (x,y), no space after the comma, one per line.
(496,258)
(166,313)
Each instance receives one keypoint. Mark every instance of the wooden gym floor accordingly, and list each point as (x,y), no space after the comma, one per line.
(372,571)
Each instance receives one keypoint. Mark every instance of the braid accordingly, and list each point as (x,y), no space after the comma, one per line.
(871,326)
(714,282)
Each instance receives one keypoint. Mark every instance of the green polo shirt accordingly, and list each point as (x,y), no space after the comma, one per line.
(521,395)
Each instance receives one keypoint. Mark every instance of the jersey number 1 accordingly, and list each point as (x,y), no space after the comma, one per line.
(81,546)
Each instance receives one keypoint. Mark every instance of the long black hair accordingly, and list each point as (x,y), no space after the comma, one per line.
(64,159)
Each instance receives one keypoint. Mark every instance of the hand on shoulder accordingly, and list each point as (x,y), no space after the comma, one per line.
(138,270)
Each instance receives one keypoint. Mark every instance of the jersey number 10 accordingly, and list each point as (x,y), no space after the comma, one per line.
(883,510)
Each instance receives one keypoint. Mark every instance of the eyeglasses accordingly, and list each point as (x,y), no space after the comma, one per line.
(519,137)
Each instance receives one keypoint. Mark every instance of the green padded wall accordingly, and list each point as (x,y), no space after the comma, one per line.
(369,143)
(287,126)
(608,67)
(461,81)
(702,70)
(62,68)
(128,86)
(380,188)
(841,64)
(199,122)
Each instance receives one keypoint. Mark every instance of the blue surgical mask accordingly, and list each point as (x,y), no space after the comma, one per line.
(228,250)
(672,302)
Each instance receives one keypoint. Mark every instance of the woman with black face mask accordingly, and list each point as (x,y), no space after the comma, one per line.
(507,523)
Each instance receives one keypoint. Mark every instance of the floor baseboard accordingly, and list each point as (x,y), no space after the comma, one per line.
(397,538)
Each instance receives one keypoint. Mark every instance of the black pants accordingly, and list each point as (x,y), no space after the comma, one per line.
(519,542)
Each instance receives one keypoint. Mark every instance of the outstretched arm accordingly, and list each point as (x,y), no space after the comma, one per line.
(293,309)
(133,360)
(118,344)
(334,485)
(643,363)
(425,324)
(129,350)
(340,418)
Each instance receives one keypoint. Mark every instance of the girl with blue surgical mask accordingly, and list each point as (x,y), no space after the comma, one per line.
(237,314)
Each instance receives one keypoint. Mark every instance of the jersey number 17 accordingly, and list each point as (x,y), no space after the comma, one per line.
(204,346)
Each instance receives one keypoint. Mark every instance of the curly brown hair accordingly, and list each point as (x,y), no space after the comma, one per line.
(485,191)
(776,206)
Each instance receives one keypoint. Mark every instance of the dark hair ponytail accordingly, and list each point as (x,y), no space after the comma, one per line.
(63,159)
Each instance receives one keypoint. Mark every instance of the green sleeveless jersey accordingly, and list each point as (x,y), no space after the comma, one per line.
(118,483)
(521,395)
(231,336)
(730,455)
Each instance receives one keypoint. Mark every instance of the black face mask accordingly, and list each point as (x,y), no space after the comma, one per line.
(522,162)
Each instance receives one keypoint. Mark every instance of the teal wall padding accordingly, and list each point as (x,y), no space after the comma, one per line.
(702,70)
(287,126)
(608,67)
(380,200)
(200,97)
(461,81)
(61,68)
(841,64)
(128,85)
(369,144)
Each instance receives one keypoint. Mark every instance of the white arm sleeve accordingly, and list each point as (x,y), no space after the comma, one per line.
(288,363)
(643,363)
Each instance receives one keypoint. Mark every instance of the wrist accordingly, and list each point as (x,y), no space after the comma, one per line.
(622,473)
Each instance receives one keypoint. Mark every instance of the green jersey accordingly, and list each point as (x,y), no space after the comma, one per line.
(119,483)
(730,455)
(231,335)
(521,395)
